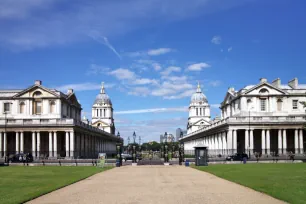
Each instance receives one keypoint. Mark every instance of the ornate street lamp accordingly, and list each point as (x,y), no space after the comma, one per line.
(134,153)
(119,151)
(134,137)
(181,150)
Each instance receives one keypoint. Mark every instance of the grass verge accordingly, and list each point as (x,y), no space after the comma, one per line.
(19,184)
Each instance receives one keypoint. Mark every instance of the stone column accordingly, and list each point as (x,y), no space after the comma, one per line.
(263,142)
(38,144)
(72,144)
(67,144)
(301,142)
(55,144)
(235,141)
(230,141)
(17,142)
(33,144)
(279,141)
(246,140)
(21,142)
(5,143)
(284,141)
(220,143)
(296,141)
(251,141)
(50,145)
(268,142)
(1,150)
(82,145)
(224,142)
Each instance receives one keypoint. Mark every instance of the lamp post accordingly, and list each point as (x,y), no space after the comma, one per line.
(134,137)
(4,152)
(181,150)
(166,147)
(119,151)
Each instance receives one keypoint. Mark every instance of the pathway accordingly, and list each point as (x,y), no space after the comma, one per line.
(154,185)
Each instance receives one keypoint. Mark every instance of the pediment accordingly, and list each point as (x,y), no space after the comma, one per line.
(265,89)
(73,99)
(228,97)
(30,92)
(100,123)
(201,122)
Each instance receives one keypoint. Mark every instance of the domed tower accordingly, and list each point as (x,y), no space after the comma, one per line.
(102,112)
(199,111)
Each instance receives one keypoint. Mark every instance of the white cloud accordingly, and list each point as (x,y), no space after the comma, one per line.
(184,94)
(230,49)
(159,51)
(169,70)
(142,81)
(153,110)
(83,86)
(140,91)
(123,74)
(198,66)
(97,69)
(216,40)
(156,66)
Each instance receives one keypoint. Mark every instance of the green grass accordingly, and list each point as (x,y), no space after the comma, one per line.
(283,181)
(19,184)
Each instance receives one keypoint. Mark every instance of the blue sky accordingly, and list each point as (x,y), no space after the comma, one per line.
(150,54)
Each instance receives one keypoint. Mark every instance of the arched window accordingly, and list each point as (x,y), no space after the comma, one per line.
(21,107)
(52,106)
(279,104)
(97,112)
(37,94)
(263,91)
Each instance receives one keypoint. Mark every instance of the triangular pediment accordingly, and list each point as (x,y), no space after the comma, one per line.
(73,100)
(265,89)
(30,92)
(100,123)
(228,97)
(201,122)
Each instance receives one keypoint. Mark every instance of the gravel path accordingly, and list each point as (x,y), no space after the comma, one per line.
(155,184)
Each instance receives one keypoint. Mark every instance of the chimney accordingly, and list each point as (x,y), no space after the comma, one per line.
(293,83)
(38,82)
(277,83)
(70,91)
(263,80)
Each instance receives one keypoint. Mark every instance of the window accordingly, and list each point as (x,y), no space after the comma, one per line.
(263,104)
(295,104)
(104,112)
(37,107)
(97,112)
(100,112)
(7,107)
(263,91)
(197,111)
(279,104)
(200,111)
(249,101)
(52,107)
(21,107)
(37,94)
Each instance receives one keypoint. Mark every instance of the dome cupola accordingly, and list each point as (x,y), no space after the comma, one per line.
(102,97)
(198,96)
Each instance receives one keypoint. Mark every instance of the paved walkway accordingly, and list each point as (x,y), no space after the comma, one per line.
(153,185)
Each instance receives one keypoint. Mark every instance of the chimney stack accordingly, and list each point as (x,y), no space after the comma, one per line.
(262,80)
(293,83)
(70,91)
(277,83)
(231,89)
(38,82)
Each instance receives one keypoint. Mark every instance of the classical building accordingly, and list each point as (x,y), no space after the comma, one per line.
(178,133)
(199,112)
(263,118)
(167,137)
(47,123)
(102,112)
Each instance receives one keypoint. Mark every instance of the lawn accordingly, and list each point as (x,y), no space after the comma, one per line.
(283,181)
(19,184)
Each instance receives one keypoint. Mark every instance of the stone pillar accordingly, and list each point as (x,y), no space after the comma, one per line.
(224,142)
(301,142)
(55,144)
(1,150)
(284,141)
(72,144)
(67,144)
(5,143)
(251,141)
(33,144)
(230,141)
(38,144)
(50,145)
(17,142)
(220,143)
(268,142)
(235,141)
(280,142)
(296,141)
(246,145)
(263,142)
(21,142)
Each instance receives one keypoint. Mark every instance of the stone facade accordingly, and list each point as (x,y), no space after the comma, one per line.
(47,123)
(263,118)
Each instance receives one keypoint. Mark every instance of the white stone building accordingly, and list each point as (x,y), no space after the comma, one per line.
(199,112)
(102,112)
(265,118)
(47,123)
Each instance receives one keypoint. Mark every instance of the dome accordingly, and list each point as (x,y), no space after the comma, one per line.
(102,97)
(198,96)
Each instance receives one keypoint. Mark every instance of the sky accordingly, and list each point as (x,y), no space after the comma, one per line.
(151,54)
